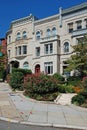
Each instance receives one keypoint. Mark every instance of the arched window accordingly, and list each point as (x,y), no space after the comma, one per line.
(54,32)
(66,47)
(48,33)
(38,35)
(24,34)
(26,65)
(18,36)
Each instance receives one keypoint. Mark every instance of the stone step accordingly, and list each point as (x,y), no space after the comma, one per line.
(64,99)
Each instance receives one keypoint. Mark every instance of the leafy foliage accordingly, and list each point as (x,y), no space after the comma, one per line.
(24,71)
(78,61)
(58,77)
(16,80)
(78,99)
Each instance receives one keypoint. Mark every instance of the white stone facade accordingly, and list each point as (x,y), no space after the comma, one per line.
(44,45)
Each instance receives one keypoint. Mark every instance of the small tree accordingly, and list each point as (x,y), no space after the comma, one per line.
(78,61)
(1,63)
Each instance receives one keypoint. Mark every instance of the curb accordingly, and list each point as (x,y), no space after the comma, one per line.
(44,124)
(69,127)
(8,120)
(36,124)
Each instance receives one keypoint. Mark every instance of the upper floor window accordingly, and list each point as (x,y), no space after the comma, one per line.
(49,48)
(16,51)
(9,53)
(26,65)
(9,38)
(37,51)
(38,35)
(48,32)
(70,27)
(24,35)
(86,23)
(79,24)
(24,49)
(66,47)
(54,31)
(18,36)
(19,50)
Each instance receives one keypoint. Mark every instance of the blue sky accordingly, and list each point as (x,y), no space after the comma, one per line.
(14,9)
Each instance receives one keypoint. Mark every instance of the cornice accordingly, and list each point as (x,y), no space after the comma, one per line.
(74,9)
(48,19)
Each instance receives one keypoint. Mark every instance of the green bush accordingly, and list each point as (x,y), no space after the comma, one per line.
(24,71)
(74,80)
(84,94)
(64,88)
(78,99)
(58,77)
(16,80)
(41,84)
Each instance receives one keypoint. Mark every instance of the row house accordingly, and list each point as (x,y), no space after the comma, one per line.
(44,45)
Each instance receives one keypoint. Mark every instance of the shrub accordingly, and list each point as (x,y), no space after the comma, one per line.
(84,94)
(78,99)
(66,88)
(58,77)
(24,71)
(16,80)
(41,84)
(74,80)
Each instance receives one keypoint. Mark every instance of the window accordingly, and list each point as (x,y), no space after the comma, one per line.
(19,50)
(38,35)
(49,48)
(9,53)
(48,67)
(70,26)
(25,65)
(25,49)
(79,25)
(16,51)
(54,32)
(9,39)
(37,51)
(24,34)
(66,47)
(18,36)
(48,33)
(86,23)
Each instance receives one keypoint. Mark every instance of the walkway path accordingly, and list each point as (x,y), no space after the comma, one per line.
(27,111)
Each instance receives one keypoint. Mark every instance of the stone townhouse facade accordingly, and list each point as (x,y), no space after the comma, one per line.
(44,45)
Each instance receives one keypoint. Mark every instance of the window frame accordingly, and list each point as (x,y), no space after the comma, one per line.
(48,67)
(66,48)
(48,48)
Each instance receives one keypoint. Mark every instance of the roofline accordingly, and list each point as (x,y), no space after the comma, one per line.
(47,18)
(74,8)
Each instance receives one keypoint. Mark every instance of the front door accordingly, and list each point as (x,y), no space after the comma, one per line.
(37,69)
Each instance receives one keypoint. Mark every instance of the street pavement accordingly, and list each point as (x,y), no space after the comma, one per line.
(15,107)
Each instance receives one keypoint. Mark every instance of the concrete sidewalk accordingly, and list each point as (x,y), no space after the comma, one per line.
(16,107)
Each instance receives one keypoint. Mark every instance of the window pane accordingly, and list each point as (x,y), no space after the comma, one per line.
(54,32)
(26,65)
(66,47)
(24,34)
(38,35)
(48,67)
(38,51)
(48,32)
(18,36)
(24,49)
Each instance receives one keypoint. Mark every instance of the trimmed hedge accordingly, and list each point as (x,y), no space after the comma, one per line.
(24,71)
(17,80)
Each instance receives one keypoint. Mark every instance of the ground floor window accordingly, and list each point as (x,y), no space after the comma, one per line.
(48,67)
(25,65)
